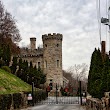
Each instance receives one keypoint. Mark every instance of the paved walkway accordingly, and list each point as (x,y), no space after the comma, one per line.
(56,107)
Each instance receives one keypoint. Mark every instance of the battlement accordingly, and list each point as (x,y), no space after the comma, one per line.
(26,51)
(32,39)
(52,36)
(26,56)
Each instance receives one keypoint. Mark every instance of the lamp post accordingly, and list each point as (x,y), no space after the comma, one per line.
(27,78)
(106,21)
(32,92)
(56,94)
(80,92)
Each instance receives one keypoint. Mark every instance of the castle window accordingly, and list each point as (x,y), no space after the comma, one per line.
(51,80)
(57,45)
(45,45)
(38,64)
(58,65)
(45,64)
(51,84)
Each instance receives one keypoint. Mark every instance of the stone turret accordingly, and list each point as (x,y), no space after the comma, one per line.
(33,43)
(52,56)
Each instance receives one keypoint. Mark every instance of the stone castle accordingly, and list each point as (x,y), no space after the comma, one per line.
(48,58)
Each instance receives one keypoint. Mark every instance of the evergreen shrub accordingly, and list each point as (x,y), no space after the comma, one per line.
(39,95)
(17,100)
(1,62)
(5,101)
(6,68)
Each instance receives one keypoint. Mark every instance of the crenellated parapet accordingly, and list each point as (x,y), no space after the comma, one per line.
(52,36)
(26,56)
(25,52)
(32,39)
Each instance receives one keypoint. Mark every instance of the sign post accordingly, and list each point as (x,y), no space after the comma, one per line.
(32,93)
(56,94)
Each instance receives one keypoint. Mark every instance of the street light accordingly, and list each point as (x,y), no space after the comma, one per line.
(56,94)
(80,92)
(32,91)
(27,77)
(106,21)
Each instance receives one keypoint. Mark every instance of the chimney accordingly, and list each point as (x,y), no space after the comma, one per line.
(33,43)
(103,49)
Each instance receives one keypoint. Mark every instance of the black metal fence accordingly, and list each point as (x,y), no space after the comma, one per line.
(60,100)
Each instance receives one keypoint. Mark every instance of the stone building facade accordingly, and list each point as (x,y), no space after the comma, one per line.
(48,58)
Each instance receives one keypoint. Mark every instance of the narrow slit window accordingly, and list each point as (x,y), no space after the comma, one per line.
(58,63)
(45,64)
(38,64)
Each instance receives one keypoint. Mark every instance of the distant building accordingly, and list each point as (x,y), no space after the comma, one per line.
(48,58)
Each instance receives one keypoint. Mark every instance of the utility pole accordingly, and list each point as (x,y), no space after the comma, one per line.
(80,91)
(32,92)
(106,21)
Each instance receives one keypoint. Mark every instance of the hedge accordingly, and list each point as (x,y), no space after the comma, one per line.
(5,102)
(6,68)
(38,96)
(17,100)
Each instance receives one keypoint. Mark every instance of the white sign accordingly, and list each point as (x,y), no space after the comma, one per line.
(29,96)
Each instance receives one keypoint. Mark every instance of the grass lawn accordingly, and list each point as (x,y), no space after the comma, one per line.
(9,83)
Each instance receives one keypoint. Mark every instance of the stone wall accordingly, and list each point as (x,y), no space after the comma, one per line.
(97,104)
(18,101)
(34,59)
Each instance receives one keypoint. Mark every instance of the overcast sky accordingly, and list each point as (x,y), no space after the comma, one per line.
(75,19)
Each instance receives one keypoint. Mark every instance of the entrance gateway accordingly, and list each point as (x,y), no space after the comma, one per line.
(59,99)
(65,98)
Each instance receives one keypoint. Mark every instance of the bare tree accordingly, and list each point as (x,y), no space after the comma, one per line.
(79,71)
(9,33)
(73,83)
(8,26)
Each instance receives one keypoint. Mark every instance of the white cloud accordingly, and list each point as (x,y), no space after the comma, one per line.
(75,19)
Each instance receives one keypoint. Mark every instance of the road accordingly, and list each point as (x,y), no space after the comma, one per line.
(63,104)
(56,107)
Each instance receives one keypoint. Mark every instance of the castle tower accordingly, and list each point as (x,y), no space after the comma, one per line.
(52,57)
(33,43)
